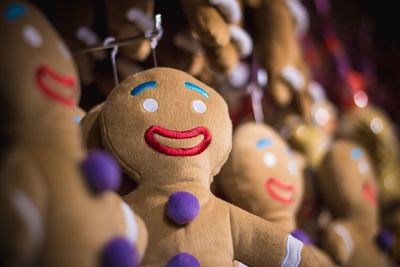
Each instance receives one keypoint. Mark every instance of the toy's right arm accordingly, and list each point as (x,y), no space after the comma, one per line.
(22,210)
(257,242)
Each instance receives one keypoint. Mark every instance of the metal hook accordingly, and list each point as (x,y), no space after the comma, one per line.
(114,52)
(155,35)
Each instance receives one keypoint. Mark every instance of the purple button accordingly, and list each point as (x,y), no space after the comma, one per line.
(119,252)
(182,207)
(101,171)
(183,260)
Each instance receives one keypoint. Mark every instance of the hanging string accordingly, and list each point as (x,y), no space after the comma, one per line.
(114,52)
(256,93)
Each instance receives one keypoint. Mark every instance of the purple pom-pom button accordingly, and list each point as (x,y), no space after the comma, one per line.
(182,207)
(302,236)
(183,260)
(385,240)
(120,252)
(101,171)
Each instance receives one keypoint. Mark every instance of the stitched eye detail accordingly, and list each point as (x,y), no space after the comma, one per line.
(199,106)
(150,104)
(32,36)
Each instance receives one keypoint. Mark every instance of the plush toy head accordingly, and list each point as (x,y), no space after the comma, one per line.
(347,182)
(141,115)
(35,55)
(262,175)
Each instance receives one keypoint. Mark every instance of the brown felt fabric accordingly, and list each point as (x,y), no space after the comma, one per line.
(231,232)
(383,148)
(276,47)
(43,161)
(243,178)
(341,183)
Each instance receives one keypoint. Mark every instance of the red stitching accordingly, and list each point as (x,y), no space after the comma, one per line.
(369,193)
(278,183)
(67,81)
(192,151)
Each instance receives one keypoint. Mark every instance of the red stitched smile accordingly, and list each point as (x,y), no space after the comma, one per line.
(279,190)
(47,79)
(171,151)
(369,193)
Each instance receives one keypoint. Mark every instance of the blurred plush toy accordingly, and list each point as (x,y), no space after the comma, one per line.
(263,176)
(371,128)
(347,183)
(278,51)
(216,24)
(53,205)
(171,133)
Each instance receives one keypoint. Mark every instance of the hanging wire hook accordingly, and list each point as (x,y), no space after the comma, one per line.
(155,36)
(114,52)
(258,78)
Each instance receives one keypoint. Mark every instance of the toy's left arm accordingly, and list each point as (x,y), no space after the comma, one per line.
(257,242)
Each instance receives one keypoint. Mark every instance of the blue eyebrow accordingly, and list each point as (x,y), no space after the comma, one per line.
(141,87)
(14,11)
(356,153)
(263,143)
(197,89)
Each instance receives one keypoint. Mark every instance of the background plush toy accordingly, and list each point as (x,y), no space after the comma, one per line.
(371,128)
(216,24)
(263,176)
(348,187)
(54,211)
(171,133)
(278,52)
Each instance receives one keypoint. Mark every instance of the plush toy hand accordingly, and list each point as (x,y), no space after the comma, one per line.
(338,243)
(128,18)
(280,54)
(215,22)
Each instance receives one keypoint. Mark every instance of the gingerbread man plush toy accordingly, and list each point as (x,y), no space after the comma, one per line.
(50,215)
(171,133)
(263,176)
(347,183)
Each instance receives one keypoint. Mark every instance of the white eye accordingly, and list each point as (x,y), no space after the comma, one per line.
(363,167)
(32,36)
(150,104)
(293,168)
(199,106)
(64,51)
(270,159)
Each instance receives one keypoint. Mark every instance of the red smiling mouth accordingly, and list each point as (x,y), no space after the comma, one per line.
(171,151)
(49,80)
(369,193)
(279,190)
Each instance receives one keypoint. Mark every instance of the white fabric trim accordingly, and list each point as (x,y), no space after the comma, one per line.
(294,77)
(345,235)
(131,227)
(293,252)
(230,9)
(242,39)
(86,36)
(139,18)
(30,215)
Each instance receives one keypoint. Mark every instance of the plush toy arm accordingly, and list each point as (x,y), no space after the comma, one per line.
(338,242)
(257,242)
(279,52)
(206,22)
(127,18)
(23,198)
(91,128)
